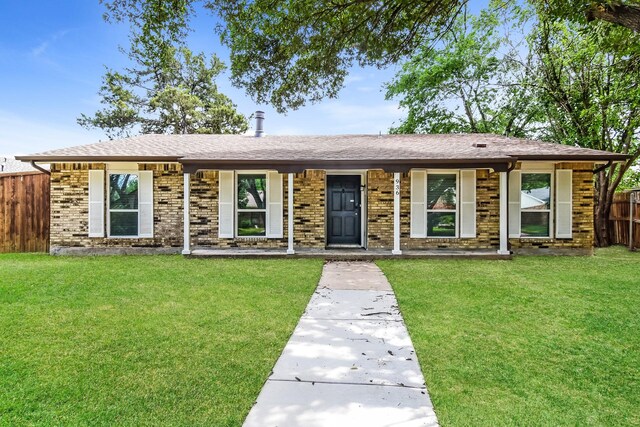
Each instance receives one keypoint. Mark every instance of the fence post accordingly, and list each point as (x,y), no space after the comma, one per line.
(631,218)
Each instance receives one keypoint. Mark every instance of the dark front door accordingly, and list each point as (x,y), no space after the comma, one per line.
(343,209)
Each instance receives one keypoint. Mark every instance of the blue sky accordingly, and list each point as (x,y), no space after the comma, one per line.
(52,58)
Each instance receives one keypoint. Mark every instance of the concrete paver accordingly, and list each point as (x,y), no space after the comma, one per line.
(350,360)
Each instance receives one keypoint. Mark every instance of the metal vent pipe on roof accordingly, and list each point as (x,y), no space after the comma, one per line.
(259,124)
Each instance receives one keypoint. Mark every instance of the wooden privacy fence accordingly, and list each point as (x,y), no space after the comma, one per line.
(24,212)
(619,219)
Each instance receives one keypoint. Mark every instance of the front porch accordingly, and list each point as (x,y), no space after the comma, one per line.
(303,209)
(351,254)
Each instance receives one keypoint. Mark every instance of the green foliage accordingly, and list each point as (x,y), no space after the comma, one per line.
(624,13)
(630,180)
(468,83)
(142,340)
(290,52)
(588,85)
(177,95)
(536,341)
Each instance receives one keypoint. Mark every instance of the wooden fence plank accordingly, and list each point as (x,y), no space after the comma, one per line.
(619,219)
(24,212)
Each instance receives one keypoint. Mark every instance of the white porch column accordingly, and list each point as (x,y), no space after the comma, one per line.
(396,214)
(290,250)
(504,213)
(186,220)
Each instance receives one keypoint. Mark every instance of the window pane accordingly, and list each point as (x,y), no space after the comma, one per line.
(536,191)
(441,224)
(252,190)
(441,191)
(251,223)
(123,191)
(535,224)
(124,223)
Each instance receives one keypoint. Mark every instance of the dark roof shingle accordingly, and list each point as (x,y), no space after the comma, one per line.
(190,148)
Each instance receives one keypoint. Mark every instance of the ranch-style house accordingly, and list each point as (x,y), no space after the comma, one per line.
(392,194)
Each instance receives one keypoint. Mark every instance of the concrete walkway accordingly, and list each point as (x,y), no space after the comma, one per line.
(350,361)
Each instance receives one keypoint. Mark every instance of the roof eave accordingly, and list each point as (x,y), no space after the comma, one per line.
(87,159)
(390,165)
(575,157)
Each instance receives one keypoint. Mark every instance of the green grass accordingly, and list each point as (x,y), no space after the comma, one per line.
(533,341)
(142,340)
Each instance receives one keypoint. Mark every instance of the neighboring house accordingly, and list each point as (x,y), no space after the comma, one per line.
(392,192)
(8,164)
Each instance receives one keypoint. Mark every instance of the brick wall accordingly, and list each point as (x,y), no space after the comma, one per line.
(308,211)
(380,209)
(69,212)
(380,215)
(70,196)
(70,208)
(582,227)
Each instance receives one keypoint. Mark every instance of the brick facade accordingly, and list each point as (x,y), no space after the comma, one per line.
(69,212)
(70,209)
(583,233)
(70,201)
(308,198)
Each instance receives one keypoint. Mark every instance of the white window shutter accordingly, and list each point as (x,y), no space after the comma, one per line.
(96,203)
(418,203)
(468,203)
(515,182)
(225,204)
(274,205)
(564,194)
(145,204)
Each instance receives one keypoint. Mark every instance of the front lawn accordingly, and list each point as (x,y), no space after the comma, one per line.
(533,341)
(142,340)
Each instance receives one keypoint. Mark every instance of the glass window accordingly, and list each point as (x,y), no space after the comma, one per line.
(252,205)
(442,204)
(535,205)
(123,205)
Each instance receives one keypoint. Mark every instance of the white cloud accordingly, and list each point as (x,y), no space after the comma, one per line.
(353,78)
(367,89)
(39,50)
(25,135)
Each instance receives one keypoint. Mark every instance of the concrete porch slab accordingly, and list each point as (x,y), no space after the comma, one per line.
(344,254)
(297,404)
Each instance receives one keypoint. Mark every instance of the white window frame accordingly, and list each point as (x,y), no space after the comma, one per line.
(108,196)
(551,211)
(237,211)
(455,172)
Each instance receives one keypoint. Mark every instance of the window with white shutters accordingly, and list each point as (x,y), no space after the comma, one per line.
(443,203)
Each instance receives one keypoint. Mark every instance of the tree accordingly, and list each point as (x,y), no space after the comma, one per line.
(177,95)
(466,85)
(623,13)
(630,180)
(290,52)
(589,89)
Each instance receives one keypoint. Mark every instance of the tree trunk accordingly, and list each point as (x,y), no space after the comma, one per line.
(624,15)
(256,195)
(602,209)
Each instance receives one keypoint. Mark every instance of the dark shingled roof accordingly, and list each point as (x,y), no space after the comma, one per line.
(326,150)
